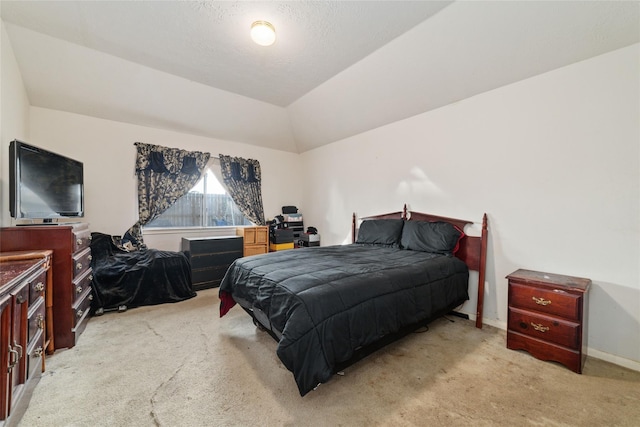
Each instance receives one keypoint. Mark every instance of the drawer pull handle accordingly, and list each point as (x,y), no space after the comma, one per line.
(90,297)
(40,321)
(541,301)
(79,241)
(539,327)
(91,277)
(19,347)
(13,359)
(37,352)
(79,266)
(78,289)
(39,287)
(79,313)
(89,257)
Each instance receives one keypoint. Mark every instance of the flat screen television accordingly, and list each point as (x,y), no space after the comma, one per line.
(44,185)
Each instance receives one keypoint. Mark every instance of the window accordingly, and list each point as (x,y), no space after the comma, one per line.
(207,204)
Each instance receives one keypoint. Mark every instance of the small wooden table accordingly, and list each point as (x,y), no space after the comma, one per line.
(547,316)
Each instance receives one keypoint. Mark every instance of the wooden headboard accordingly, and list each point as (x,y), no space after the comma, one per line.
(472,249)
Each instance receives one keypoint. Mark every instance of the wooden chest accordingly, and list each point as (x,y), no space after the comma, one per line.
(547,316)
(210,258)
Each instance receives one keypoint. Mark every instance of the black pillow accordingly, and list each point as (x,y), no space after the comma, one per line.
(380,232)
(437,237)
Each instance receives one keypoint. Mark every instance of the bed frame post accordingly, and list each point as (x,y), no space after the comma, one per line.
(353,228)
(481,272)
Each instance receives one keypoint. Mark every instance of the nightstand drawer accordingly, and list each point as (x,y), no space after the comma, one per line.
(555,302)
(544,327)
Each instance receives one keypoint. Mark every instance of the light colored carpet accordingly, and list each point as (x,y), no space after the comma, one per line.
(181,365)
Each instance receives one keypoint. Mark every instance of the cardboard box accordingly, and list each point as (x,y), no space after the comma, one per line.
(310,237)
(274,247)
(308,240)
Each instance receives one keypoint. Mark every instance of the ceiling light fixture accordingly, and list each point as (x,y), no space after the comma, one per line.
(263,33)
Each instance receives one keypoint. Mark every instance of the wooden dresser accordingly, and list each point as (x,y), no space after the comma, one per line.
(71,272)
(256,239)
(547,316)
(210,258)
(24,285)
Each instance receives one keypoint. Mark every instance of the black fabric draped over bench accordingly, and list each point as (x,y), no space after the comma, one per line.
(123,279)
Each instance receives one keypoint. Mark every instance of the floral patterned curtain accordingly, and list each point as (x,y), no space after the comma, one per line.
(164,175)
(242,178)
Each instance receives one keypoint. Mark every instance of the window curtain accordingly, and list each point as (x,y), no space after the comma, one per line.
(164,175)
(242,179)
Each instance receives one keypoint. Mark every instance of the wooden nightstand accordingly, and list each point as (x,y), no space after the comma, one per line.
(547,316)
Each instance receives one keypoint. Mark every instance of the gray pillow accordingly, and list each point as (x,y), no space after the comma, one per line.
(380,232)
(437,237)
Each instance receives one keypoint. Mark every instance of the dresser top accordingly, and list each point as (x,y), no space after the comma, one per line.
(197,239)
(550,279)
(13,270)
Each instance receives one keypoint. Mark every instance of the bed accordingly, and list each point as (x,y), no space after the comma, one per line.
(328,306)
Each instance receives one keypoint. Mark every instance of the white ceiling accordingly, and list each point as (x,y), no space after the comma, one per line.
(338,68)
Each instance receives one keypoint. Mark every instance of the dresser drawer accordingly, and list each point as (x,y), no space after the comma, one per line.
(82,283)
(208,260)
(81,262)
(81,239)
(254,250)
(555,302)
(211,245)
(36,319)
(81,308)
(546,328)
(254,235)
(212,275)
(37,286)
(35,353)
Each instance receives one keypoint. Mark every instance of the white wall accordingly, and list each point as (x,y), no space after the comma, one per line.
(14,116)
(553,160)
(107,151)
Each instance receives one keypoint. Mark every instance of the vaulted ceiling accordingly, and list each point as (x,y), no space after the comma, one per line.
(338,68)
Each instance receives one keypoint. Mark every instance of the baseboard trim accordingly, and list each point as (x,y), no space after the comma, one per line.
(591,352)
(612,358)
